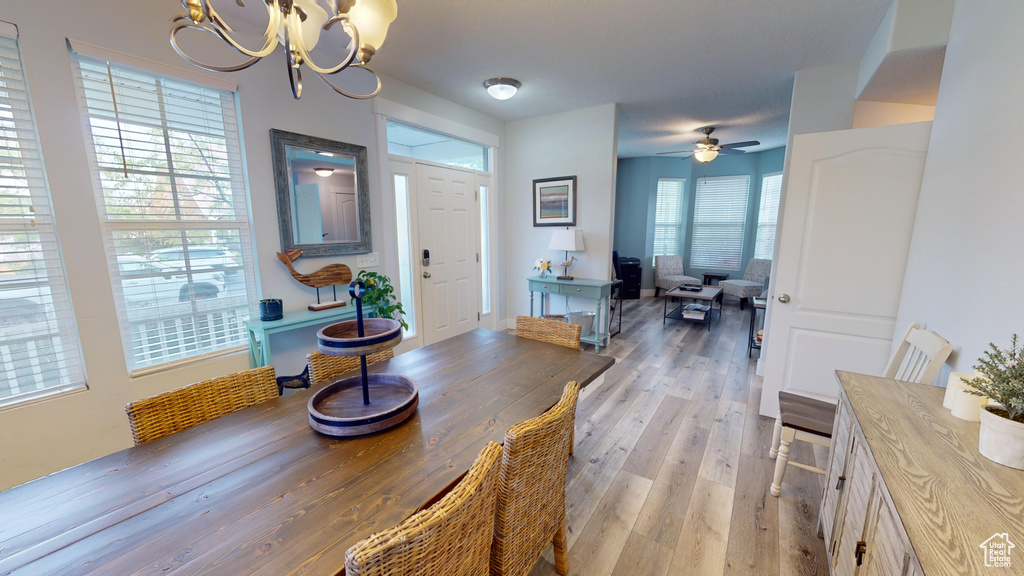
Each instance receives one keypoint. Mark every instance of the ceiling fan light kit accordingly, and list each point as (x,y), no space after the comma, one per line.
(708,148)
(502,88)
(298,26)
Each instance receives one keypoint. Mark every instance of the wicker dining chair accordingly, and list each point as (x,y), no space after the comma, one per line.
(550,331)
(531,490)
(452,537)
(324,368)
(188,406)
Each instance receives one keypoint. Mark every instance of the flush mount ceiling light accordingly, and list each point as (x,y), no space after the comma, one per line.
(502,88)
(297,25)
(323,172)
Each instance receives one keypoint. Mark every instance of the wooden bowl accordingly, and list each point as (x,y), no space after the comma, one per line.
(341,339)
(338,410)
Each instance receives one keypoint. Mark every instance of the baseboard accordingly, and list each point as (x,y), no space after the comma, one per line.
(646,293)
(504,324)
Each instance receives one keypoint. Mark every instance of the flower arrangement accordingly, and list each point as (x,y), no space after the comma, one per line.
(542,264)
(1003,371)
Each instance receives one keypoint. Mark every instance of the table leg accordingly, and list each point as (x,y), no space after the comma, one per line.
(750,337)
(253,349)
(531,302)
(664,313)
(265,348)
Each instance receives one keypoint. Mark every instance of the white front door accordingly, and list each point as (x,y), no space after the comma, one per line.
(850,204)
(448,251)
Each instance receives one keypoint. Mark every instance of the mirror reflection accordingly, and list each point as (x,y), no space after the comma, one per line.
(324,207)
(322,195)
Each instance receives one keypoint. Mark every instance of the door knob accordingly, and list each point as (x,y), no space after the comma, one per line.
(784,298)
(426,274)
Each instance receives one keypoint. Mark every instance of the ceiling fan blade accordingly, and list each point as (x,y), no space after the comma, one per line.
(676,152)
(742,144)
(729,151)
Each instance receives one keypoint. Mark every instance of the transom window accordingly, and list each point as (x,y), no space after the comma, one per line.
(413,142)
(167,172)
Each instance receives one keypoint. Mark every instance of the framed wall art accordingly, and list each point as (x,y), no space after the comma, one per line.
(554,201)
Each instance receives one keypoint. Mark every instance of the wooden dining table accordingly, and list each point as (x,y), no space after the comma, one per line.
(260,492)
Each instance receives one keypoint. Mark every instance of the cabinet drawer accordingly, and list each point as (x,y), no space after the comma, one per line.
(546,287)
(582,291)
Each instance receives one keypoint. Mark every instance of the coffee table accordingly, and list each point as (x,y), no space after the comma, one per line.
(706,294)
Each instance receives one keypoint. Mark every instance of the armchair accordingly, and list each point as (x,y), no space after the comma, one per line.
(668,273)
(753,282)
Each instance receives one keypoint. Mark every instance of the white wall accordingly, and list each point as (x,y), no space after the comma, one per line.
(45,436)
(964,275)
(580,143)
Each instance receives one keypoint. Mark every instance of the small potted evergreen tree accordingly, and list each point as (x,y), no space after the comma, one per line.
(1001,437)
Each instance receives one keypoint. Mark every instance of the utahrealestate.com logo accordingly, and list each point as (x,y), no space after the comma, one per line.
(997,550)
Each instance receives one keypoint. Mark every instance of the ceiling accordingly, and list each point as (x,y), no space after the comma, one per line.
(672,65)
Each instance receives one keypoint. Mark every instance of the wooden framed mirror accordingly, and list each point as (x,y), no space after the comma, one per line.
(323,195)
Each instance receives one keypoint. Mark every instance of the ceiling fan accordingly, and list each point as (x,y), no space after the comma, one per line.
(708,148)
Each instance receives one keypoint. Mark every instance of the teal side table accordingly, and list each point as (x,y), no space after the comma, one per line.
(598,290)
(260,331)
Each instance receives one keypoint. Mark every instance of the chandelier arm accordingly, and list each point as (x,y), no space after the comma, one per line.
(353,50)
(187,23)
(294,69)
(350,94)
(221,28)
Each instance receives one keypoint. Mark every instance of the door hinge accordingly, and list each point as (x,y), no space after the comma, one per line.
(862,547)
(476,195)
(477,316)
(477,256)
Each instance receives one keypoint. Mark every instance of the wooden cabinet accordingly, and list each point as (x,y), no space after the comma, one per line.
(907,493)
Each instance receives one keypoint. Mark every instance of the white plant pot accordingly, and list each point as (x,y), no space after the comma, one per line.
(1001,439)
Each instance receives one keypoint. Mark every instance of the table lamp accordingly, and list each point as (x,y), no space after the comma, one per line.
(568,241)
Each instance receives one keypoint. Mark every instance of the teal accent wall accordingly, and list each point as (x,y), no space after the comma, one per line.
(637,192)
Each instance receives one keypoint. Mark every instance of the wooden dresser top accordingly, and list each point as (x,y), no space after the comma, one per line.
(949,497)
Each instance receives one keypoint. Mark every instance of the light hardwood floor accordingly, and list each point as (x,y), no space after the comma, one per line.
(671,469)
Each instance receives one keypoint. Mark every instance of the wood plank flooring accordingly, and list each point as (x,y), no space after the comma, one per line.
(671,470)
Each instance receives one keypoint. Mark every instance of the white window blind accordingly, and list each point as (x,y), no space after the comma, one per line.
(719,218)
(39,349)
(767,216)
(668,216)
(167,172)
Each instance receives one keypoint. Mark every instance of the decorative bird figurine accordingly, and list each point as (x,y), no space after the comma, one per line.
(565,269)
(330,275)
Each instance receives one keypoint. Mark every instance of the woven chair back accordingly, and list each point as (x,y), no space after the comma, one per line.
(452,537)
(550,331)
(531,491)
(324,369)
(192,405)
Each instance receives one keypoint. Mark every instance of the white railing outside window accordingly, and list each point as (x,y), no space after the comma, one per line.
(719,219)
(167,172)
(39,348)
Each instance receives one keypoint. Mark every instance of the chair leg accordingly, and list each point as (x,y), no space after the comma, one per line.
(776,436)
(572,440)
(561,550)
(743,303)
(656,290)
(788,435)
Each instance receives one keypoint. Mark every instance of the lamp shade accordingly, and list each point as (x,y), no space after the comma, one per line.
(372,18)
(706,155)
(311,26)
(567,240)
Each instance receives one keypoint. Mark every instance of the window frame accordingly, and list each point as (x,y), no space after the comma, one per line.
(759,224)
(26,182)
(736,245)
(216,327)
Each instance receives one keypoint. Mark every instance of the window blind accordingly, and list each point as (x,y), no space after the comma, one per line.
(39,348)
(767,216)
(668,216)
(167,173)
(719,219)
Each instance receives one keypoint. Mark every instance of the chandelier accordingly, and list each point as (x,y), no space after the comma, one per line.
(297,25)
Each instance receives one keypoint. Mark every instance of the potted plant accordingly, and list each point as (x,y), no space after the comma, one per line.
(380,297)
(1001,437)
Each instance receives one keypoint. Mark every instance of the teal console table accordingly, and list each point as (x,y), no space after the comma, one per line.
(599,290)
(260,331)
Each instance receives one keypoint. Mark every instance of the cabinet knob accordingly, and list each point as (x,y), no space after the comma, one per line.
(579,290)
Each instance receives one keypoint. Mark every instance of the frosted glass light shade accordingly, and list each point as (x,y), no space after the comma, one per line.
(372,19)
(311,27)
(502,88)
(323,172)
(705,156)
(567,240)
